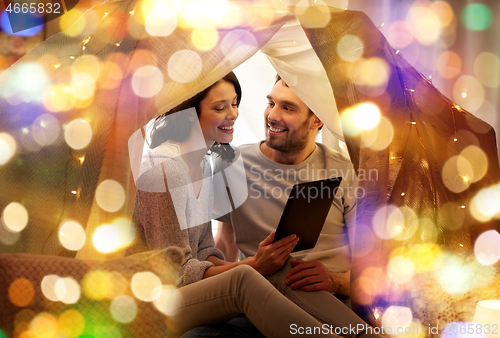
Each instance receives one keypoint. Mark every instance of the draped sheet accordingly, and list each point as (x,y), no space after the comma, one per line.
(56,182)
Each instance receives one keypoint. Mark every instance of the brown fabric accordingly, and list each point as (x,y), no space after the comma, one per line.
(409,169)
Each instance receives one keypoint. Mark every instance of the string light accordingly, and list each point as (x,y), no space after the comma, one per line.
(57,66)
(414,122)
(462,207)
(132,12)
(72,57)
(402,194)
(382,25)
(117,44)
(412,90)
(397,52)
(81,159)
(74,192)
(455,139)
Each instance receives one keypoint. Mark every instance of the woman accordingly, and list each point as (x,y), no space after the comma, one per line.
(173,209)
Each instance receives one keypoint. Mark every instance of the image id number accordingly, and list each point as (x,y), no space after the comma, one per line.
(40,8)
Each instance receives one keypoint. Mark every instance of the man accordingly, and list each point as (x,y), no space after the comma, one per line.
(290,155)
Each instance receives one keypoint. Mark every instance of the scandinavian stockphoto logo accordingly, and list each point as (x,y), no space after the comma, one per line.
(26,14)
(222,188)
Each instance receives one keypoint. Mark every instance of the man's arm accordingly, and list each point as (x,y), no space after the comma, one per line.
(225,242)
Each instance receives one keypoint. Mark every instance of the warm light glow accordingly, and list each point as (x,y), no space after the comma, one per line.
(68,23)
(78,134)
(126,230)
(71,323)
(45,130)
(98,284)
(57,98)
(106,238)
(350,48)
(184,66)
(110,195)
(361,117)
(423,24)
(161,23)
(400,270)
(443,11)
(455,276)
(487,69)
(123,309)
(487,247)
(147,81)
(49,287)
(474,93)
(398,35)
(372,72)
(67,290)
(15,217)
(169,300)
(28,80)
(82,86)
(457,174)
(146,286)
(392,222)
(238,45)
(486,204)
(478,161)
(86,64)
(111,75)
(215,10)
(8,148)
(204,38)
(21,292)
(72,235)
(397,317)
(44,325)
(316,16)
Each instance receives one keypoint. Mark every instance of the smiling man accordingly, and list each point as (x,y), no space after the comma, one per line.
(287,156)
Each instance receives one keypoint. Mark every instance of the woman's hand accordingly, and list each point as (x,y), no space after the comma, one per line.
(270,257)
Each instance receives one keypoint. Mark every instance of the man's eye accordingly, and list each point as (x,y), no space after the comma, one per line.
(287,108)
(270,104)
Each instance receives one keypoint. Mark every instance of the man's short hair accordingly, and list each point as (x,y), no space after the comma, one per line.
(278,78)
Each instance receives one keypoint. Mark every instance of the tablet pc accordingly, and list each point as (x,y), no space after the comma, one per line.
(306,210)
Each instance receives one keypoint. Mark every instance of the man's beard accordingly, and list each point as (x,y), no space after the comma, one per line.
(292,143)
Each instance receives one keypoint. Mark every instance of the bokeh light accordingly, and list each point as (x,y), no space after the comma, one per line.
(147,81)
(449,64)
(72,235)
(78,134)
(455,276)
(106,238)
(468,93)
(15,217)
(67,290)
(110,195)
(379,137)
(237,45)
(48,286)
(161,23)
(423,24)
(44,325)
(372,72)
(400,270)
(204,38)
(451,216)
(487,247)
(123,309)
(146,286)
(398,35)
(71,323)
(215,10)
(8,148)
(457,174)
(350,48)
(487,69)
(485,204)
(111,75)
(28,80)
(393,222)
(45,129)
(98,284)
(443,11)
(397,317)
(57,98)
(68,23)
(21,292)
(169,300)
(184,66)
(87,64)
(316,16)
(361,117)
(82,86)
(478,161)
(126,231)
(477,16)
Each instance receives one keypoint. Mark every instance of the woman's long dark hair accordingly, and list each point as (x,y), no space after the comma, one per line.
(178,128)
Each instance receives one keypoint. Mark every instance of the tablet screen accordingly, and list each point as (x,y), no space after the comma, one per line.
(306,210)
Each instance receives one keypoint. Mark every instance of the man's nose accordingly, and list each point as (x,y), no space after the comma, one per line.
(274,114)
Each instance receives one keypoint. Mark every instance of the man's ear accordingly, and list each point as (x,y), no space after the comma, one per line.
(316,124)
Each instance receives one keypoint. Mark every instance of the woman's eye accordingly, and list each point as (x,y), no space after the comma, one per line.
(220,108)
(235,105)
